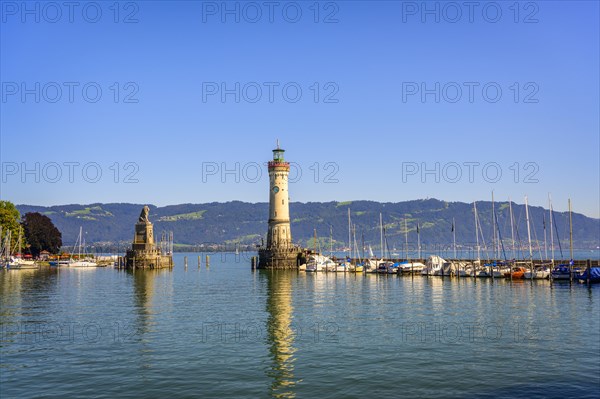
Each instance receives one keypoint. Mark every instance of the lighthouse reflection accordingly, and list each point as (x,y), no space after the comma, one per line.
(280,333)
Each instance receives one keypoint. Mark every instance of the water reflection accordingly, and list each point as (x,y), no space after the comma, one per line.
(25,289)
(143,294)
(143,290)
(281,333)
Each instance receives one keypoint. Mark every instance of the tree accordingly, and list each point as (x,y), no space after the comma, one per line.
(41,234)
(9,220)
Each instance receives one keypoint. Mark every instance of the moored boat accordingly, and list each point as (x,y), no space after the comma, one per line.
(17,263)
(539,272)
(83,263)
(56,263)
(434,266)
(410,267)
(382,267)
(594,273)
(564,271)
(517,272)
(359,268)
(319,263)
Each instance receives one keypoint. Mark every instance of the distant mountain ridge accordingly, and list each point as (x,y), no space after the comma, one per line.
(246,223)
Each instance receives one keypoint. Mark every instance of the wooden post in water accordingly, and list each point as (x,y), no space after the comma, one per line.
(207,261)
(199,262)
(254,263)
(185,262)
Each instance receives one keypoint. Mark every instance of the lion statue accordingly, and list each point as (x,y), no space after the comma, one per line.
(144,215)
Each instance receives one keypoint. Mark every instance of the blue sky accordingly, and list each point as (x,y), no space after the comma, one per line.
(369,133)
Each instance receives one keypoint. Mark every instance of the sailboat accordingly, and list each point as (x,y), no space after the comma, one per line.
(475,265)
(16,261)
(317,262)
(372,264)
(594,272)
(435,267)
(345,266)
(358,268)
(539,272)
(387,267)
(563,271)
(81,262)
(3,256)
(409,266)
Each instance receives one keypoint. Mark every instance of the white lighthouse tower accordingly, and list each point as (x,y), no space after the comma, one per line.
(279,253)
(279,234)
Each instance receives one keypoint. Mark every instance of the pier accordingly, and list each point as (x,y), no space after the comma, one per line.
(581,263)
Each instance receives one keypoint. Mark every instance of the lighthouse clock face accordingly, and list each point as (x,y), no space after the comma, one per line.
(275,189)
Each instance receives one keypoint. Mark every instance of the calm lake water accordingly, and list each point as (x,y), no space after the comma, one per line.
(228,331)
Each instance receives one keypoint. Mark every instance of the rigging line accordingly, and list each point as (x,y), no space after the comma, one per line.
(537,243)
(500,238)
(480,230)
(557,236)
(519,238)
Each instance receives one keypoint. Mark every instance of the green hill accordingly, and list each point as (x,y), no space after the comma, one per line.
(245,223)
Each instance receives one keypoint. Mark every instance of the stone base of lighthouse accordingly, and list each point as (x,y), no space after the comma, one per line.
(280,258)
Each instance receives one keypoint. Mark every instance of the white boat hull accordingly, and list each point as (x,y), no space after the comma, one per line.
(83,263)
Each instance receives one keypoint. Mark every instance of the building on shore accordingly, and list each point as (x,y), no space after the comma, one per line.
(279,252)
(144,253)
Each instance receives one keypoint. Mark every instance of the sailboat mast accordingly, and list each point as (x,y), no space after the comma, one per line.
(405,240)
(512,228)
(528,229)
(381,232)
(551,230)
(331,242)
(362,244)
(545,245)
(418,241)
(354,244)
(349,234)
(19,243)
(494,227)
(570,230)
(454,237)
(476,232)
(8,240)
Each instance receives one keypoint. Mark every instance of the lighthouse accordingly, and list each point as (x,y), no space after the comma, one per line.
(279,234)
(280,252)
